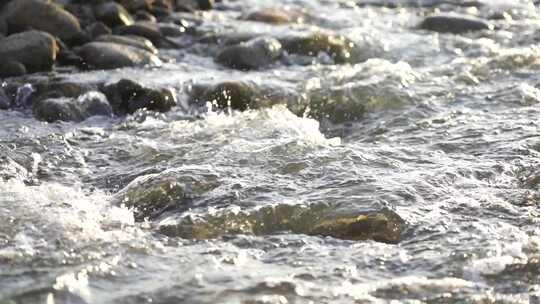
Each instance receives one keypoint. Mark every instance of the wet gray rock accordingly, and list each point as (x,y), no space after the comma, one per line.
(144,29)
(254,54)
(145,16)
(339,48)
(454,23)
(40,15)
(69,109)
(107,55)
(36,50)
(112,14)
(12,69)
(127,96)
(134,41)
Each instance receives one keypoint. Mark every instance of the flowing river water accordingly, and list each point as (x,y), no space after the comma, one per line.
(438,130)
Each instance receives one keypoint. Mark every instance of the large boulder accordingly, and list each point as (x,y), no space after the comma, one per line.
(40,15)
(36,50)
(127,96)
(454,23)
(112,14)
(254,54)
(107,55)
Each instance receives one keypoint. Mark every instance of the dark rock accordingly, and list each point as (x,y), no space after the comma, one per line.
(237,95)
(134,41)
(54,109)
(205,4)
(144,29)
(12,69)
(40,15)
(3,27)
(106,55)
(112,14)
(127,96)
(59,89)
(66,56)
(34,49)
(270,15)
(171,30)
(98,28)
(161,8)
(191,5)
(254,54)
(5,101)
(70,109)
(145,16)
(453,23)
(339,48)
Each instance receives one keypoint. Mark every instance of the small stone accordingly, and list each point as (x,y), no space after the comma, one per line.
(106,55)
(254,54)
(41,15)
(144,29)
(127,96)
(12,69)
(112,14)
(36,50)
(95,103)
(454,23)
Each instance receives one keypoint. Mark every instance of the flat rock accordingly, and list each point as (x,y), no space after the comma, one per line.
(40,15)
(108,55)
(453,23)
(36,50)
(132,40)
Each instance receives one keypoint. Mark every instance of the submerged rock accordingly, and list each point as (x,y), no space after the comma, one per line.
(108,55)
(41,15)
(453,23)
(112,14)
(134,41)
(254,54)
(69,109)
(191,5)
(36,50)
(339,48)
(127,96)
(318,219)
(152,194)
